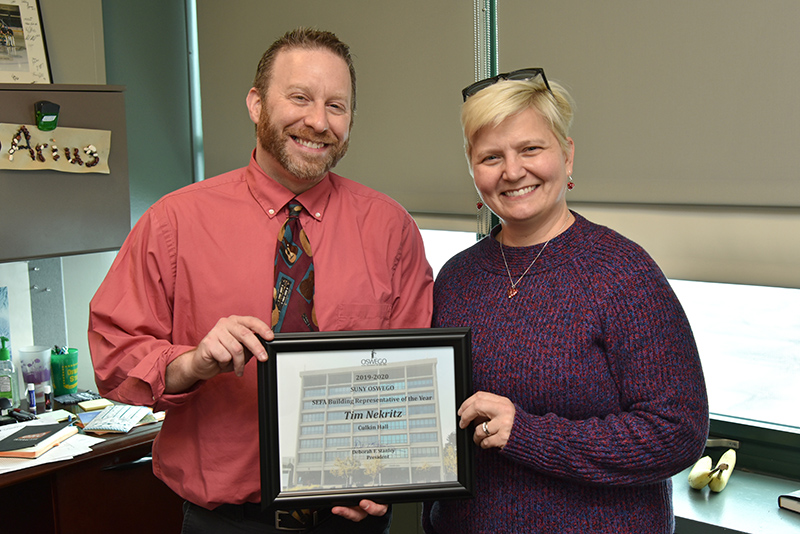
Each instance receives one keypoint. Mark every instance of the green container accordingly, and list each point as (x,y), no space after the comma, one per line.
(64,374)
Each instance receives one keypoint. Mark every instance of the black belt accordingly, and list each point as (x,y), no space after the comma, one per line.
(289,520)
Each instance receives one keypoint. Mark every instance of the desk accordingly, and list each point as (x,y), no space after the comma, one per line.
(111,489)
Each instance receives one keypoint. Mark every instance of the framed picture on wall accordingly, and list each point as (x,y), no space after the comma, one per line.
(23,52)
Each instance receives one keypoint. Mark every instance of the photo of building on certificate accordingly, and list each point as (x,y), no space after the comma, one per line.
(388,418)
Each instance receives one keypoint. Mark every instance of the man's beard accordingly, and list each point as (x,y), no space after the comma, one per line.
(274,142)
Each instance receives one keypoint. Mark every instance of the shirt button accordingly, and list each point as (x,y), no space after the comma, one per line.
(271,211)
(318,215)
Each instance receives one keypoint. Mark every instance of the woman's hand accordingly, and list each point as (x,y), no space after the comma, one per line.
(493,416)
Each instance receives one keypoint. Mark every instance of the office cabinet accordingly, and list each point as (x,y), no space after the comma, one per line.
(46,213)
(111,489)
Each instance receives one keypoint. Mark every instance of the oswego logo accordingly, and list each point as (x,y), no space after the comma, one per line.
(373,360)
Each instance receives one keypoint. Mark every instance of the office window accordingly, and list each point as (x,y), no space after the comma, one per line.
(441,245)
(337,442)
(420,383)
(362,441)
(394,439)
(425,408)
(311,430)
(749,342)
(366,401)
(422,423)
(424,452)
(393,425)
(392,399)
(315,392)
(310,443)
(748,336)
(394,386)
(340,378)
(394,373)
(339,428)
(421,437)
(314,380)
(339,401)
(424,369)
(331,456)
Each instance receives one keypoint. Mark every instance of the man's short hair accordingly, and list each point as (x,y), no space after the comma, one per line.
(308,39)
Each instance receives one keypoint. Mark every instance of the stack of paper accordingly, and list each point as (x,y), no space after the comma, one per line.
(118,418)
(67,449)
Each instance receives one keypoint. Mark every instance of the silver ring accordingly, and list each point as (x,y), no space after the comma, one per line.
(486,429)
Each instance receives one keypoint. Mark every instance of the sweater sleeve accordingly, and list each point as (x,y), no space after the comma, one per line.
(662,421)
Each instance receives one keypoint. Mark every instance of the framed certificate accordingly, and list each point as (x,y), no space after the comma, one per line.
(345,416)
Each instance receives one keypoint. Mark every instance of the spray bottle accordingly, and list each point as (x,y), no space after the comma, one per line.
(8,375)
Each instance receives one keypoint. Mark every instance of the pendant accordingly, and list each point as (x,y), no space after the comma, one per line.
(512,291)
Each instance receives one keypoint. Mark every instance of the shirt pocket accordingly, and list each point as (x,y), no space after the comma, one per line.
(363,316)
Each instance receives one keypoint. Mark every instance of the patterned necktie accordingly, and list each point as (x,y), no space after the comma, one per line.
(293,295)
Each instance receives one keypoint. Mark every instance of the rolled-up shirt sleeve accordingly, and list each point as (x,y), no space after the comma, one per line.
(130,319)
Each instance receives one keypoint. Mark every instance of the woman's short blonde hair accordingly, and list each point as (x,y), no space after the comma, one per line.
(496,103)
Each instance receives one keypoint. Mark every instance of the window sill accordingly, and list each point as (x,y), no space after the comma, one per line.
(749,504)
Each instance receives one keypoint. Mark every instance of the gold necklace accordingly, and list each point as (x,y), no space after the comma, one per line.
(513,289)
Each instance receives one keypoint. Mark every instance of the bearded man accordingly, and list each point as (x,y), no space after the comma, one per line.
(174,325)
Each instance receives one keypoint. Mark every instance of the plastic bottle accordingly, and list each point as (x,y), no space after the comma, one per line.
(48,398)
(31,392)
(8,375)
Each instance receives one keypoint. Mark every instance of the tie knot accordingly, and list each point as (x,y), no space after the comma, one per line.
(294,210)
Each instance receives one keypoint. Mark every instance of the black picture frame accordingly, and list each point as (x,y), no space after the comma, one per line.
(396,352)
(22,43)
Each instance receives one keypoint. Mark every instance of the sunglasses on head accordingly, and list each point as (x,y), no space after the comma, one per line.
(521,74)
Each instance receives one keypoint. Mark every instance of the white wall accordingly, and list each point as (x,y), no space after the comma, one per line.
(82,276)
(74,36)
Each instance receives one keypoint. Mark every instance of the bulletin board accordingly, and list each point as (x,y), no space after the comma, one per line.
(46,212)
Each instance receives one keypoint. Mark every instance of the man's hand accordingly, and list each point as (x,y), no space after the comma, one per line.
(227,347)
(364,508)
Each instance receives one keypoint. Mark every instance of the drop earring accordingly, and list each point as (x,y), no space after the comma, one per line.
(570,183)
(484,218)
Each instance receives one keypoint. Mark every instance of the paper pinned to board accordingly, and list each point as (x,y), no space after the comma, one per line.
(24,147)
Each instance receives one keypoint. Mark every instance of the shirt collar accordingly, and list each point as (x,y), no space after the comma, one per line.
(272,196)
